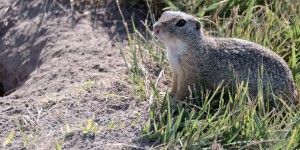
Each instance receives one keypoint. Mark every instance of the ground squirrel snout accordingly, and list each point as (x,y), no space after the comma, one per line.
(196,59)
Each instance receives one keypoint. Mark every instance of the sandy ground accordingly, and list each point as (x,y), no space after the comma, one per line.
(60,69)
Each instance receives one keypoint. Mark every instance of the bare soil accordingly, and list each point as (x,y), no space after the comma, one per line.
(60,68)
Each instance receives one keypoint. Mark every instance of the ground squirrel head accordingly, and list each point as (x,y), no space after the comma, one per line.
(174,25)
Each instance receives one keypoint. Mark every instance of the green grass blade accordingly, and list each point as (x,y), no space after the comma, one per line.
(9,138)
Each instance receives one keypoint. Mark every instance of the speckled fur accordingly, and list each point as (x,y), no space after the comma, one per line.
(206,61)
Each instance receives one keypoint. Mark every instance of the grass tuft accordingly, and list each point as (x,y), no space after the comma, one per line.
(9,138)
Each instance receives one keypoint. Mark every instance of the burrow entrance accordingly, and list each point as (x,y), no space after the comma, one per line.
(2,92)
(21,43)
(11,78)
(8,81)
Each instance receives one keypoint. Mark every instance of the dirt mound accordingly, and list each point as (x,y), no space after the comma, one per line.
(59,70)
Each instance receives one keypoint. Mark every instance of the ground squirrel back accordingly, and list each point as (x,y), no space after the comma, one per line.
(196,59)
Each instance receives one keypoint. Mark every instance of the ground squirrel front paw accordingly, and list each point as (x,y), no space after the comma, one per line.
(172,94)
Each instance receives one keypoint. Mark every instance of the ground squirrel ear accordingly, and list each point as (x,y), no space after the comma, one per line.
(198,25)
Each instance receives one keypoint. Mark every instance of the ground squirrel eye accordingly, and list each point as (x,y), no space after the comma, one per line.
(180,23)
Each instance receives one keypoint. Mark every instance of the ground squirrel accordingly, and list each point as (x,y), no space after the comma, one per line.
(196,59)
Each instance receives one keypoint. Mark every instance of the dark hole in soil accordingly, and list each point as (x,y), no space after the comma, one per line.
(1,90)
(8,81)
